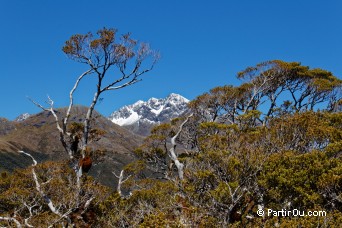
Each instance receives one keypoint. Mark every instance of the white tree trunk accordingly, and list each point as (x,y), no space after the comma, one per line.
(173,156)
(121,181)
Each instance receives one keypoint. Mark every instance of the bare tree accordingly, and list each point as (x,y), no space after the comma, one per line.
(116,62)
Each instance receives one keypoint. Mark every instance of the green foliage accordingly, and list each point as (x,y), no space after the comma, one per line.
(154,203)
(301,181)
(265,85)
(245,147)
(305,132)
(20,198)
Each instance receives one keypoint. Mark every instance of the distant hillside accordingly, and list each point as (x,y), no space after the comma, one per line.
(38,134)
(6,126)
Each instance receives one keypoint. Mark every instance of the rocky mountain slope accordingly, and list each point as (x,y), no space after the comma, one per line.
(6,126)
(141,116)
(22,117)
(38,135)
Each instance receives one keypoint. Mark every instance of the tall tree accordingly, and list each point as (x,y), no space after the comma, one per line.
(271,88)
(115,61)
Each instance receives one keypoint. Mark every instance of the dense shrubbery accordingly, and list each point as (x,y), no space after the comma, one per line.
(245,148)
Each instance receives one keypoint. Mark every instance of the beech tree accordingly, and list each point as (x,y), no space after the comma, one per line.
(115,61)
(264,88)
(47,195)
(159,158)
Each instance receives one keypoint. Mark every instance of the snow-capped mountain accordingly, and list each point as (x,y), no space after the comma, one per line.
(22,117)
(141,116)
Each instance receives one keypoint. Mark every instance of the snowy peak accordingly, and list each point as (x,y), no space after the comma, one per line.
(125,116)
(150,112)
(176,98)
(22,117)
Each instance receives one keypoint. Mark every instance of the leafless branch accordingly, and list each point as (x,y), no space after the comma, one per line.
(37,104)
(72,93)
(62,130)
(43,195)
(87,204)
(121,181)
(172,150)
(17,223)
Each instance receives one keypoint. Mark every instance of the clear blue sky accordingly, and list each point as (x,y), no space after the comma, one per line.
(203,44)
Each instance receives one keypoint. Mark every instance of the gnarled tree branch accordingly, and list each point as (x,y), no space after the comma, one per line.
(172,150)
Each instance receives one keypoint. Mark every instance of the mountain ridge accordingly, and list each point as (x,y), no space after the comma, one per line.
(141,116)
(38,136)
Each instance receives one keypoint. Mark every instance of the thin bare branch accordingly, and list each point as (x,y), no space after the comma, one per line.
(87,204)
(17,223)
(71,95)
(37,104)
(43,195)
(27,154)
(133,81)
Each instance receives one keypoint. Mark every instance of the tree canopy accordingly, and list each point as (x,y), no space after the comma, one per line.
(272,143)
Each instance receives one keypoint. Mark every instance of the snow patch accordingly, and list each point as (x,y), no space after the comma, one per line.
(134,117)
(157,112)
